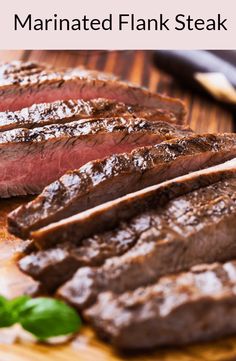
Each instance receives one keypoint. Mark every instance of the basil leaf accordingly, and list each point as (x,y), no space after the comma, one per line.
(45,317)
(6,318)
(3,301)
(9,310)
(15,305)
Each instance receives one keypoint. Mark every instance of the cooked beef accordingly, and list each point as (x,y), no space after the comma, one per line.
(198,227)
(55,266)
(199,305)
(17,68)
(121,174)
(108,215)
(22,85)
(49,265)
(32,158)
(39,115)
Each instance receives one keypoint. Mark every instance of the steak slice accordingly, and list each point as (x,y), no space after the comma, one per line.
(49,265)
(199,305)
(125,173)
(16,68)
(198,227)
(32,158)
(23,87)
(39,115)
(108,215)
(53,267)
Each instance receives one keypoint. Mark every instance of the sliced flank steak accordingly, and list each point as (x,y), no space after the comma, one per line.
(199,305)
(16,67)
(54,266)
(87,187)
(107,215)
(67,111)
(197,227)
(30,159)
(25,84)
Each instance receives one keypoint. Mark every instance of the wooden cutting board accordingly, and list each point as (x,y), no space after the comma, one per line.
(204,115)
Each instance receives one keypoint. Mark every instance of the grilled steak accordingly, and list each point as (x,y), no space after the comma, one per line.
(53,267)
(39,115)
(32,158)
(17,67)
(122,174)
(108,215)
(198,227)
(199,305)
(22,85)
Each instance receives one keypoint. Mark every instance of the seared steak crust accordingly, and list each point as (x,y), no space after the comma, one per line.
(38,156)
(55,266)
(47,266)
(14,70)
(198,227)
(108,215)
(199,305)
(125,173)
(39,115)
(22,85)
(91,127)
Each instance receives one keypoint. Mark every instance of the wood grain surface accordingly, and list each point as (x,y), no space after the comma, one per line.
(204,116)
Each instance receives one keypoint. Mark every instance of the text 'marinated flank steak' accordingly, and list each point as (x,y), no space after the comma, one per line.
(87,187)
(199,305)
(30,159)
(109,214)
(67,111)
(198,227)
(25,84)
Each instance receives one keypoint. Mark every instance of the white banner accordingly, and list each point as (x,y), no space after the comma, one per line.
(123,24)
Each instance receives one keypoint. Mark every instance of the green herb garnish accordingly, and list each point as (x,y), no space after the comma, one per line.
(43,317)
